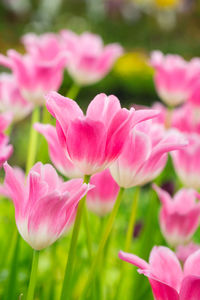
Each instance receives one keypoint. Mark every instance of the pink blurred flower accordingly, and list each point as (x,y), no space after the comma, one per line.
(11,99)
(145,154)
(6,149)
(187,162)
(179,216)
(174,77)
(45,47)
(94,141)
(89,61)
(57,152)
(45,206)
(184,251)
(186,119)
(167,279)
(40,70)
(101,198)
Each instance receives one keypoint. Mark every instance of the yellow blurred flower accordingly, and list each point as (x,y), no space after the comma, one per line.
(167,3)
(133,63)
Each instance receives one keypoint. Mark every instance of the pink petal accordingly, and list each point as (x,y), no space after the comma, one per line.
(103,108)
(191,266)
(64,110)
(190,288)
(134,260)
(165,266)
(86,144)
(15,186)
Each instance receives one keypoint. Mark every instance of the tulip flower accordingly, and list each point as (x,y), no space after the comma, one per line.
(187,162)
(89,61)
(186,119)
(101,198)
(173,78)
(11,99)
(144,154)
(167,279)
(184,251)
(36,74)
(180,216)
(45,206)
(5,148)
(94,141)
(45,47)
(57,153)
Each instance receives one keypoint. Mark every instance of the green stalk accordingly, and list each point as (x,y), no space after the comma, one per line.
(32,148)
(129,236)
(131,224)
(33,277)
(11,285)
(104,238)
(73,91)
(87,230)
(72,250)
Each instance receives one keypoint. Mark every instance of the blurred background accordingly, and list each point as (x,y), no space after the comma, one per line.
(139,25)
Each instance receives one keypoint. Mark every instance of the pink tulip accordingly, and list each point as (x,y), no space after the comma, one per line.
(184,251)
(45,47)
(167,279)
(186,119)
(89,61)
(173,77)
(45,206)
(57,153)
(101,198)
(5,148)
(11,99)
(187,162)
(94,141)
(145,154)
(39,71)
(180,216)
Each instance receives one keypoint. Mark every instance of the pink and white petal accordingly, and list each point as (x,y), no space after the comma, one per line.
(163,291)
(103,108)
(164,197)
(165,265)
(117,133)
(143,115)
(134,260)
(86,144)
(191,266)
(63,109)
(190,288)
(15,187)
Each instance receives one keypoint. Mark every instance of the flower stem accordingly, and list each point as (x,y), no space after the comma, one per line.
(32,148)
(73,91)
(72,250)
(10,294)
(129,236)
(33,277)
(104,238)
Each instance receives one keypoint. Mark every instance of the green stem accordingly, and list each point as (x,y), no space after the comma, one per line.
(32,148)
(72,250)
(129,237)
(73,91)
(104,238)
(129,234)
(87,230)
(11,286)
(33,277)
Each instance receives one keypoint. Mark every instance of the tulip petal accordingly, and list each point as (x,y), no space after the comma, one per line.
(165,266)
(190,289)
